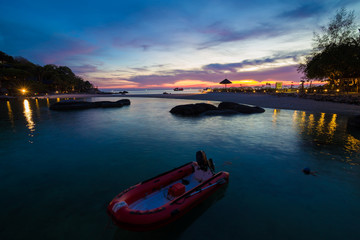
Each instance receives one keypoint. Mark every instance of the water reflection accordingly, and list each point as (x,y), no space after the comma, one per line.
(37,108)
(28,116)
(311,123)
(302,121)
(323,124)
(332,125)
(352,144)
(11,115)
(325,132)
(275,114)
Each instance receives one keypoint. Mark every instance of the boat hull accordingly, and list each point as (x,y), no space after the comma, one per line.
(127,213)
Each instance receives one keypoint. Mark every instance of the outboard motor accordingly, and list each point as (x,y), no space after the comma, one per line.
(202,160)
(211,165)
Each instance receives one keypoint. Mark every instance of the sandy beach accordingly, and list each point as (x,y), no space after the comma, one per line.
(261,100)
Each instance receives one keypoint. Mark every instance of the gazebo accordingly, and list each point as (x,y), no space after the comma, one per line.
(225,81)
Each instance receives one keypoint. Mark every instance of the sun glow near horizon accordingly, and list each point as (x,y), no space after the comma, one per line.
(209,84)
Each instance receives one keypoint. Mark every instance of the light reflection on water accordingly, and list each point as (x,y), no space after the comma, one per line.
(319,128)
(321,124)
(29,119)
(47,102)
(10,112)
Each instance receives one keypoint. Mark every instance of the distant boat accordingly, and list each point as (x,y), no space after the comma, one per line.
(178,89)
(206,90)
(160,200)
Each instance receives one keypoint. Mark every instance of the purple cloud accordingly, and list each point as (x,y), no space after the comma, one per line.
(232,67)
(87,68)
(287,73)
(60,50)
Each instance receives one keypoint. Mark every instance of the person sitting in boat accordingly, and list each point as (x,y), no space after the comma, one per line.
(205,169)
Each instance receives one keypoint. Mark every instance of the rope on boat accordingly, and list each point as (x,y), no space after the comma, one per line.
(220,181)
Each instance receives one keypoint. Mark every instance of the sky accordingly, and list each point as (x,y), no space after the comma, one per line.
(164,44)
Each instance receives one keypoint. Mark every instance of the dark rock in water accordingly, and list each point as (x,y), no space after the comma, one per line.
(192,109)
(353,126)
(75,105)
(354,122)
(204,109)
(124,101)
(240,107)
(220,112)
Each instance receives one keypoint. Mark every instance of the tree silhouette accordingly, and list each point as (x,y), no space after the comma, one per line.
(336,51)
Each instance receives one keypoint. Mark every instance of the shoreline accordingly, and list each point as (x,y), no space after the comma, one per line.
(261,100)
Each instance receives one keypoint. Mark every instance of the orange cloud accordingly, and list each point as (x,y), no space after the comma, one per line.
(190,84)
(254,83)
(120,86)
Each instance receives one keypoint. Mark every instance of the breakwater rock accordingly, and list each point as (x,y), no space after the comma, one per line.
(240,108)
(77,105)
(337,98)
(224,108)
(353,126)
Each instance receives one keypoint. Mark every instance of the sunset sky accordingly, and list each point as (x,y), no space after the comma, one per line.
(164,44)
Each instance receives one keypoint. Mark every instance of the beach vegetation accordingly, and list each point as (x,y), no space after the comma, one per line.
(17,73)
(335,56)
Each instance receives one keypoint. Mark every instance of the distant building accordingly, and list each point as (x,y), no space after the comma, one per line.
(278,85)
(267,85)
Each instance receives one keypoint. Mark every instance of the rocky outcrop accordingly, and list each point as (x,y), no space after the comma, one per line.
(354,122)
(76,105)
(241,108)
(353,126)
(219,112)
(192,109)
(224,108)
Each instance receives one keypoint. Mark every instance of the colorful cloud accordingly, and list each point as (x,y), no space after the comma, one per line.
(158,44)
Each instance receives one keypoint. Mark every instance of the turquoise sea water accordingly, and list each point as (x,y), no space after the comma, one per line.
(59,170)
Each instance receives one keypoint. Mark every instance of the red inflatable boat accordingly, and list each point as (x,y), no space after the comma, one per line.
(163,199)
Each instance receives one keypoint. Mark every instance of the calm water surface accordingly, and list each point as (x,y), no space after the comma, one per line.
(59,170)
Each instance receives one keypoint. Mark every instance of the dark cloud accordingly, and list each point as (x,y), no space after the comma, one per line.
(87,68)
(139,69)
(305,10)
(46,48)
(221,34)
(60,50)
(232,67)
(286,73)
